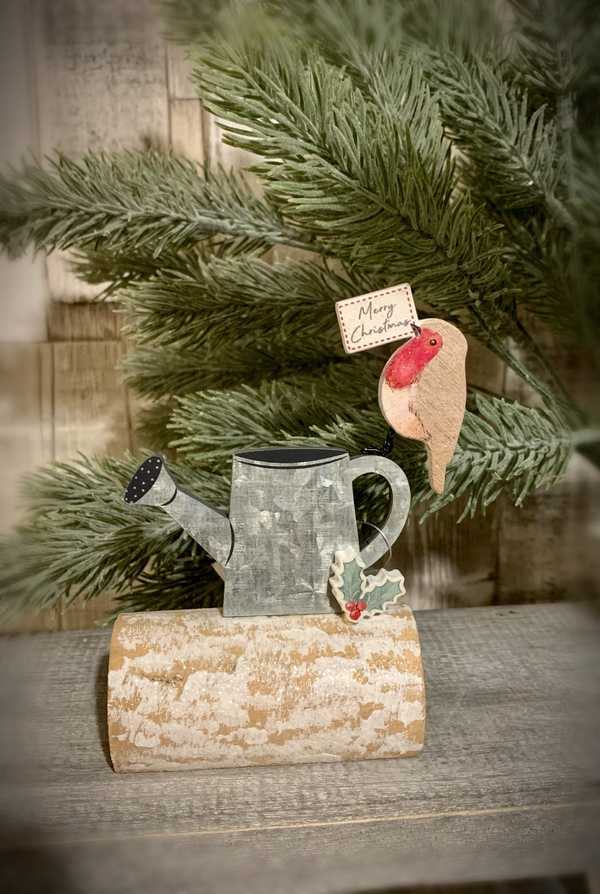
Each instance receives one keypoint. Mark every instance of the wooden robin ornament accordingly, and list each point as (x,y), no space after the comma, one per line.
(423,392)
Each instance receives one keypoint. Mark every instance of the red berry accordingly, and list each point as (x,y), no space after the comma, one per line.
(362,605)
(355,615)
(350,606)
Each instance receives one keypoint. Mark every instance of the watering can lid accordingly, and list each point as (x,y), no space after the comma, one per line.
(286,457)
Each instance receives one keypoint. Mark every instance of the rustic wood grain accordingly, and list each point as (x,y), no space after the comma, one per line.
(83,321)
(447,564)
(484,369)
(55,401)
(23,289)
(194,131)
(229,157)
(504,787)
(101,83)
(179,73)
(25,420)
(325,860)
(549,547)
(187,137)
(90,412)
(195,690)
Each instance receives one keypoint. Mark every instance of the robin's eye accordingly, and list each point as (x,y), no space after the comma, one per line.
(433,342)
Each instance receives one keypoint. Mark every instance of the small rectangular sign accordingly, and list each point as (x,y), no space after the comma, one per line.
(376,318)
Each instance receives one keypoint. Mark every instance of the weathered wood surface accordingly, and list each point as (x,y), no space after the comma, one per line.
(83,321)
(100,74)
(23,288)
(504,788)
(195,690)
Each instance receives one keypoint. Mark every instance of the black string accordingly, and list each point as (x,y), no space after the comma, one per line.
(386,449)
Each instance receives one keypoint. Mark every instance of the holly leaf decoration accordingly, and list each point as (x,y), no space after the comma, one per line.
(360,595)
(383,589)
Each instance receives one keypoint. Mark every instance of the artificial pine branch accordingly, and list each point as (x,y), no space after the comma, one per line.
(116,270)
(273,317)
(550,42)
(393,209)
(331,179)
(321,137)
(221,298)
(160,371)
(509,152)
(208,425)
(512,152)
(347,31)
(133,202)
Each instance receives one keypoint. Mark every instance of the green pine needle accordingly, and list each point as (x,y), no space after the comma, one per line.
(131,202)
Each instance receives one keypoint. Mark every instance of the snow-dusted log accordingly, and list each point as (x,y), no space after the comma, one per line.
(192,689)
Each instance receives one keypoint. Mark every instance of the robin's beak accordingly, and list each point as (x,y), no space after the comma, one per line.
(416,329)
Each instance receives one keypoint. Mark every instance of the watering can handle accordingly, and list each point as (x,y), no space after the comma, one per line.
(393,474)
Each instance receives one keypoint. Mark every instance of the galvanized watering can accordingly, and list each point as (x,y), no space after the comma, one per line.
(291,508)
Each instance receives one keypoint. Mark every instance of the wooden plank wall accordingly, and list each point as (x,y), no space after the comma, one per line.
(84,75)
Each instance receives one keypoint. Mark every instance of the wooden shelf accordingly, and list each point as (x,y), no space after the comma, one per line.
(503,789)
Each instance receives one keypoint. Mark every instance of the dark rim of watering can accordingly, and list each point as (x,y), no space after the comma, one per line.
(289,457)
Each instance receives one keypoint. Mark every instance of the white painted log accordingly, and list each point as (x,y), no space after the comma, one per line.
(192,689)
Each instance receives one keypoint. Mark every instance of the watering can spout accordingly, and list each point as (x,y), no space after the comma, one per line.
(153,485)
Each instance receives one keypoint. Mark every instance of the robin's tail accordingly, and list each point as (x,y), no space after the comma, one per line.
(437,460)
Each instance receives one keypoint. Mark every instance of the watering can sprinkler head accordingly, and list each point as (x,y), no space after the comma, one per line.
(153,485)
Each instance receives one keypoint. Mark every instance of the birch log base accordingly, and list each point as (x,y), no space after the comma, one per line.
(195,690)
